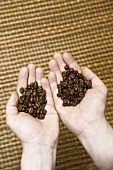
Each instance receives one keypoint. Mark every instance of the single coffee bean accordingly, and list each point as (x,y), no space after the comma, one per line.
(71,70)
(71,92)
(31,110)
(72,75)
(81,94)
(22,98)
(38,104)
(66,67)
(21,90)
(34,93)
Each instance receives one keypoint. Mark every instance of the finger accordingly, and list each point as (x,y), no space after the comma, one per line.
(59,58)
(53,85)
(32,74)
(55,68)
(69,60)
(39,75)
(46,86)
(96,82)
(22,79)
(11,107)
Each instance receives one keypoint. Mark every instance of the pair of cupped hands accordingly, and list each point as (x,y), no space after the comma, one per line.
(33,131)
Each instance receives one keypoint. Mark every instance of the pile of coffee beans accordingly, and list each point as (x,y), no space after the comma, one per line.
(73,87)
(33,100)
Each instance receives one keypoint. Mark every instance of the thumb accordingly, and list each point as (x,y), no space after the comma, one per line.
(11,108)
(96,82)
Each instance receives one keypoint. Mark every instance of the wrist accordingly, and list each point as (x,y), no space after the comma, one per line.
(38,157)
(97,139)
(92,127)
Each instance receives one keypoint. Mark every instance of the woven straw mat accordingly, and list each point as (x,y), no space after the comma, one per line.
(31,32)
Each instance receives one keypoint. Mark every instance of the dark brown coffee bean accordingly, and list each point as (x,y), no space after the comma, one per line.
(76,80)
(80,89)
(27,93)
(64,77)
(74,103)
(59,94)
(34,115)
(88,83)
(45,111)
(72,75)
(76,88)
(23,109)
(71,70)
(38,104)
(70,82)
(30,104)
(22,98)
(31,110)
(76,94)
(26,103)
(81,94)
(34,93)
(71,98)
(65,83)
(71,92)
(63,73)
(21,90)
(38,111)
(31,100)
(79,98)
(28,87)
(81,82)
(65,104)
(21,101)
(66,67)
(32,84)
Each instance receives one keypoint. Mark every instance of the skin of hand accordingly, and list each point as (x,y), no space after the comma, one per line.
(38,137)
(86,120)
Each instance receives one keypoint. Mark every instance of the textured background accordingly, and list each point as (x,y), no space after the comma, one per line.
(30,32)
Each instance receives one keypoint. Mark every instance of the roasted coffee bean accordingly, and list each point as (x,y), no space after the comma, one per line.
(28,87)
(59,94)
(30,104)
(81,94)
(26,103)
(71,92)
(31,110)
(81,82)
(71,70)
(63,73)
(37,104)
(34,115)
(64,84)
(76,80)
(23,109)
(88,83)
(76,94)
(21,101)
(31,100)
(76,88)
(66,67)
(64,77)
(21,90)
(72,75)
(34,93)
(22,98)
(70,81)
